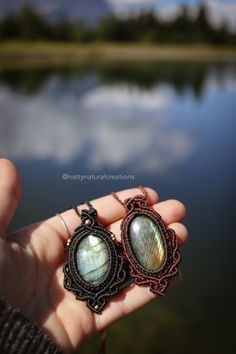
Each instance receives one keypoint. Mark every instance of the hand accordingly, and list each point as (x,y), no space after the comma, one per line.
(31,260)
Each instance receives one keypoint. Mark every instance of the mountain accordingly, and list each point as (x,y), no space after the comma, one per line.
(86,11)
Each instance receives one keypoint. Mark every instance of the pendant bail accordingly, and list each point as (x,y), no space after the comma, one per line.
(131,203)
(126,201)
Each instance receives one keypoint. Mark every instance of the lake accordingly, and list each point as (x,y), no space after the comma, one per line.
(169,125)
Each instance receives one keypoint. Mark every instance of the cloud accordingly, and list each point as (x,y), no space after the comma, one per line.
(222,11)
(118,126)
(124,97)
(225,82)
(122,7)
(168,11)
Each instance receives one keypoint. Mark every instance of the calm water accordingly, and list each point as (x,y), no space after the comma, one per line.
(170,126)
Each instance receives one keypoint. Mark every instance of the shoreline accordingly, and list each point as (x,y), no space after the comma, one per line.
(70,53)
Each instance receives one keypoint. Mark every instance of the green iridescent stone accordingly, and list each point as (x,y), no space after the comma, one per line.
(147,243)
(92,259)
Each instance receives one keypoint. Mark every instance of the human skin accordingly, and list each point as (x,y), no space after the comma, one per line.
(31,260)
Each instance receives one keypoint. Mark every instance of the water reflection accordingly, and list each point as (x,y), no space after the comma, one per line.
(173,126)
(60,112)
(181,76)
(61,120)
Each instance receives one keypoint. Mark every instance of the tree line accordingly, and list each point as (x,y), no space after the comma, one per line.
(29,24)
(181,76)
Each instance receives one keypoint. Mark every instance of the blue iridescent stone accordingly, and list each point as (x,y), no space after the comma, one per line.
(147,243)
(92,259)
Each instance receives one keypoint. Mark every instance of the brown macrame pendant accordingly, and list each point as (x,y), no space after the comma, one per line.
(150,248)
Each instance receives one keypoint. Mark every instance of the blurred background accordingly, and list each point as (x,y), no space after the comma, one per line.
(132,92)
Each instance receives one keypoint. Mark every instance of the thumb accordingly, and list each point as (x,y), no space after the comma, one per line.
(10,190)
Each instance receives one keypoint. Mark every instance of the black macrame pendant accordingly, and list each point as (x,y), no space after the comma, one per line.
(150,248)
(94,269)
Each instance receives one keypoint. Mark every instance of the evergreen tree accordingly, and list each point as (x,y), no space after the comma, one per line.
(144,27)
(31,23)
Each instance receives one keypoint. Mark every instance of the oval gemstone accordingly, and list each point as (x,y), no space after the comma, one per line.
(92,259)
(147,243)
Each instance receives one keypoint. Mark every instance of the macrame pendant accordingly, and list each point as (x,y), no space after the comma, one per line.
(94,268)
(150,248)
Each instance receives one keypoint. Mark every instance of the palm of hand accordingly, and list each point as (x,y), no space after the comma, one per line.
(31,262)
(34,258)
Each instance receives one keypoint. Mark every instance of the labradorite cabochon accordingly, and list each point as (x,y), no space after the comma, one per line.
(92,259)
(147,243)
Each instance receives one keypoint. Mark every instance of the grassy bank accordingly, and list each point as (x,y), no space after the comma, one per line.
(23,53)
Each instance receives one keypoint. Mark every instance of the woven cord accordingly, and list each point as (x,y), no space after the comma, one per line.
(115,195)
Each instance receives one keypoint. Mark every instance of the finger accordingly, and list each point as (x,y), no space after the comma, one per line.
(171,211)
(10,190)
(127,301)
(109,210)
(181,232)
